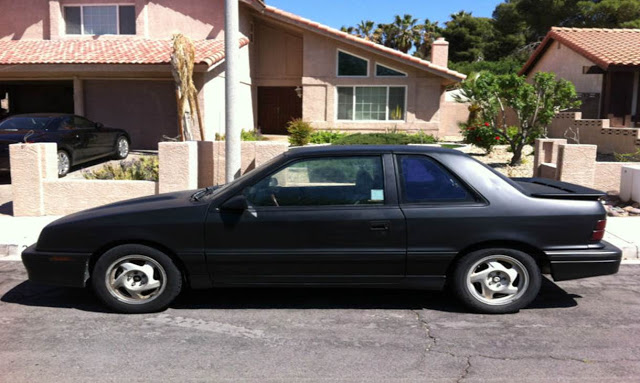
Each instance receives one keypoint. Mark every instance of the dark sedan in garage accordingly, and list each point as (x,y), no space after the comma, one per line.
(386,217)
(79,140)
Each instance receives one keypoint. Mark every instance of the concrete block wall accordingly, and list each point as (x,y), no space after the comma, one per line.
(596,132)
(556,159)
(37,191)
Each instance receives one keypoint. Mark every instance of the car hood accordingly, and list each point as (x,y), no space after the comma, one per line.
(87,228)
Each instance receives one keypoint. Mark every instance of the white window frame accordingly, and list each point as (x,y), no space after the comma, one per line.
(82,5)
(375,71)
(354,55)
(387,120)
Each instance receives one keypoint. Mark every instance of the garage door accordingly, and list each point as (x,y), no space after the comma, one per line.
(37,96)
(145,109)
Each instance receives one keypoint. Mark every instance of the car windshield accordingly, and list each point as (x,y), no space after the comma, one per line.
(24,123)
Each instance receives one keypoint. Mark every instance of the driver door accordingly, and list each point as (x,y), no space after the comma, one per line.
(325,220)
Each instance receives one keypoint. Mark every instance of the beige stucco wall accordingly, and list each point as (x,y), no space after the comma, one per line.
(278,56)
(424,90)
(156,19)
(24,19)
(567,64)
(452,114)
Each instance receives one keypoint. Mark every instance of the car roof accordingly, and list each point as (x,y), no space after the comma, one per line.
(363,149)
(46,115)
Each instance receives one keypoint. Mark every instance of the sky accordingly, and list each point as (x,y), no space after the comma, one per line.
(337,13)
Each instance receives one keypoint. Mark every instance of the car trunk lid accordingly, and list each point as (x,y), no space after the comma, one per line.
(546,188)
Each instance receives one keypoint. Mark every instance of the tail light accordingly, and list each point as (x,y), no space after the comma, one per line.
(598,232)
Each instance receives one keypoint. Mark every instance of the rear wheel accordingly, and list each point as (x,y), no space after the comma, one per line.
(136,279)
(64,163)
(497,281)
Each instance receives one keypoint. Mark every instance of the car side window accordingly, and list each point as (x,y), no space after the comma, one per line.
(66,123)
(322,182)
(82,123)
(423,180)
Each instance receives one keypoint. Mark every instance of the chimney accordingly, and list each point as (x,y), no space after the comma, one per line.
(440,52)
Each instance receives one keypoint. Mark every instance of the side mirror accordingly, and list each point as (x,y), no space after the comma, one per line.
(99,125)
(235,204)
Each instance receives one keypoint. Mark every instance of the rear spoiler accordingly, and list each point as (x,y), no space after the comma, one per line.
(546,188)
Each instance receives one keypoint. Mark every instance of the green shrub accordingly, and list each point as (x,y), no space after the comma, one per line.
(299,132)
(628,157)
(245,135)
(142,169)
(481,135)
(325,136)
(385,139)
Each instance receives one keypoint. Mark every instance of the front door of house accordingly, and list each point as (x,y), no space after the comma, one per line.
(276,107)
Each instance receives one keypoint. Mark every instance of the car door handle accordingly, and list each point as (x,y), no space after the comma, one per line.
(379,226)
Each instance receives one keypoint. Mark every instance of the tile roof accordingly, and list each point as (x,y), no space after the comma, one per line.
(605,47)
(107,51)
(317,27)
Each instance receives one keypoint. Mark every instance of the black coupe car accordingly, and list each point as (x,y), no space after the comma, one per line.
(79,140)
(391,217)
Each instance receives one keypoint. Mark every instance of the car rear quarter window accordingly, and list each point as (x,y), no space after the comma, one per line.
(423,180)
(335,181)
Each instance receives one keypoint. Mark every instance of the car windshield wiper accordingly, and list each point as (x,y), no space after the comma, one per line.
(197,196)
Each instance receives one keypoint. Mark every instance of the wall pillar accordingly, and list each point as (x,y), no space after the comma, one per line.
(577,164)
(78,96)
(31,164)
(178,166)
(546,152)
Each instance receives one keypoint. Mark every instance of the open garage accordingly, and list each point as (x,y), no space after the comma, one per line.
(36,97)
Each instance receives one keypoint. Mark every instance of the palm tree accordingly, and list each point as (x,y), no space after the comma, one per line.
(349,30)
(429,32)
(366,30)
(407,32)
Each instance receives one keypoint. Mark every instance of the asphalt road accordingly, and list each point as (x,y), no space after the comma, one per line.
(581,331)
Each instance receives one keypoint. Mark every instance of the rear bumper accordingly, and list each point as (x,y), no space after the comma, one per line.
(575,264)
(61,269)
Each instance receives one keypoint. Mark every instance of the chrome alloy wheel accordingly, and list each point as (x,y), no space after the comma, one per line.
(135,279)
(63,163)
(497,280)
(123,147)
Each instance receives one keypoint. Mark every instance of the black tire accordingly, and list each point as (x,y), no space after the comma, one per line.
(139,266)
(63,168)
(121,155)
(490,288)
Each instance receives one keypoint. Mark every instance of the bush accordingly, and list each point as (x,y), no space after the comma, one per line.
(325,136)
(627,157)
(385,139)
(481,135)
(245,135)
(299,132)
(142,169)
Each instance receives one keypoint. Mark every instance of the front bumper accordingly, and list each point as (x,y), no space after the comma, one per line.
(575,264)
(52,268)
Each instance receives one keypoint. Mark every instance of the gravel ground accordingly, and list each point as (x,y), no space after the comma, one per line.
(77,172)
(499,159)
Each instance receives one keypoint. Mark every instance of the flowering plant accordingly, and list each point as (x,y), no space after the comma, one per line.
(481,135)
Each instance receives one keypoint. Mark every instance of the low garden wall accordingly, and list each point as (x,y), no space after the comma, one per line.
(595,132)
(558,160)
(37,191)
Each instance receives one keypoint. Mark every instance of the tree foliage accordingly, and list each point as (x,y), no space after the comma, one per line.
(534,105)
(510,35)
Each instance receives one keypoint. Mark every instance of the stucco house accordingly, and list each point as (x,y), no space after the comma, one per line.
(111,63)
(604,66)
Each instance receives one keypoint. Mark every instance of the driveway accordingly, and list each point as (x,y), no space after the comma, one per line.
(580,331)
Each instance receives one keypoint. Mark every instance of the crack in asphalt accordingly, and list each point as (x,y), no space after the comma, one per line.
(467,368)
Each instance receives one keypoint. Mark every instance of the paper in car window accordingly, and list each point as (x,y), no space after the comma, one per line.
(377,195)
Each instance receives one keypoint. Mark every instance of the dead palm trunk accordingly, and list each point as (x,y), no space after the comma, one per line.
(182,63)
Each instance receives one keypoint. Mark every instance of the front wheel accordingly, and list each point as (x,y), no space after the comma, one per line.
(122,148)
(497,281)
(136,279)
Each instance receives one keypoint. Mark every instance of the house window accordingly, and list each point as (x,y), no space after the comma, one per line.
(371,103)
(385,71)
(352,66)
(100,20)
